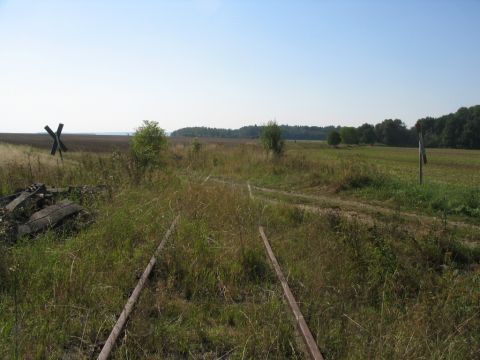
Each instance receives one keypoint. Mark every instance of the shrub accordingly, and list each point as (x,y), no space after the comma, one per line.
(196,147)
(349,135)
(271,138)
(147,144)
(357,176)
(334,138)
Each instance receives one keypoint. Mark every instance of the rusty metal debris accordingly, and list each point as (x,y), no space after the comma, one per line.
(38,208)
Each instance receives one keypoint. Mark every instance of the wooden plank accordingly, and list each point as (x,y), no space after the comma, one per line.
(249,190)
(7,199)
(23,197)
(206,179)
(302,326)
(55,190)
(49,216)
(112,338)
(81,189)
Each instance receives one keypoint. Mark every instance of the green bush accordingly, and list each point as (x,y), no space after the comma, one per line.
(334,138)
(148,143)
(349,135)
(196,147)
(271,138)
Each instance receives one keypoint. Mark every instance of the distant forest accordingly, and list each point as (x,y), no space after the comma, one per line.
(253,132)
(457,130)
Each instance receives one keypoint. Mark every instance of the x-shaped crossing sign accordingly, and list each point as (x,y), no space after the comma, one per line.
(57,143)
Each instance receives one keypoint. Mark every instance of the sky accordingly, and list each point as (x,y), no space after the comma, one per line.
(104,66)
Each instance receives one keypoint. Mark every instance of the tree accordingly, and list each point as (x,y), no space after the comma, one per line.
(394,133)
(432,131)
(366,134)
(334,138)
(147,144)
(349,135)
(271,138)
(293,132)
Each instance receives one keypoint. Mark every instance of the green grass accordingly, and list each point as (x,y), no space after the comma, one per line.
(380,292)
(212,292)
(367,290)
(386,176)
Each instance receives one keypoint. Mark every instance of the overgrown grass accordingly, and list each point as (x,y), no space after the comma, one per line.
(212,293)
(380,292)
(80,169)
(385,175)
(367,291)
(67,287)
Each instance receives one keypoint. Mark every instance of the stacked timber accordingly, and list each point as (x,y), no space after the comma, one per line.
(38,208)
(49,216)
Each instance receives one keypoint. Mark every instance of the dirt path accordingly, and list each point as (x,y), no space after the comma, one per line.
(359,210)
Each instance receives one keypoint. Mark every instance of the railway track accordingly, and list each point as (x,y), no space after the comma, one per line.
(129,306)
(302,326)
(311,348)
(360,211)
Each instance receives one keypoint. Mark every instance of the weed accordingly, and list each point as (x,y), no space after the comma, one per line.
(254,265)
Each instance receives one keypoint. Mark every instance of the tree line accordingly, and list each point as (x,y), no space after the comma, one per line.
(458,130)
(253,132)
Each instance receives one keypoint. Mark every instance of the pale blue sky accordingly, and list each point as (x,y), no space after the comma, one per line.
(106,65)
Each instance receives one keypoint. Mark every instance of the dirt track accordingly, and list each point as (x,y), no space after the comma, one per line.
(363,212)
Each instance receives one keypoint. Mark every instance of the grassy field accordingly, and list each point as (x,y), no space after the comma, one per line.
(382,175)
(378,289)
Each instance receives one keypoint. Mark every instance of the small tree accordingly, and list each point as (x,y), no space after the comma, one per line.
(349,135)
(334,138)
(196,147)
(147,144)
(271,138)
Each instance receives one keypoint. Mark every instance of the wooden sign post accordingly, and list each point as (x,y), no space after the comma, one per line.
(422,154)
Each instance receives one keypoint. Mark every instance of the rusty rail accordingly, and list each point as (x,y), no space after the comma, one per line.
(302,326)
(107,348)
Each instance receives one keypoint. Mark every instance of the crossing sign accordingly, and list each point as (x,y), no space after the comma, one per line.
(57,143)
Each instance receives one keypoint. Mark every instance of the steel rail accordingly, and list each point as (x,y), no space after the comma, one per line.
(302,326)
(122,319)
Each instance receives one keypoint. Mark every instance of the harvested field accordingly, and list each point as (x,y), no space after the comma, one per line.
(93,143)
(101,143)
